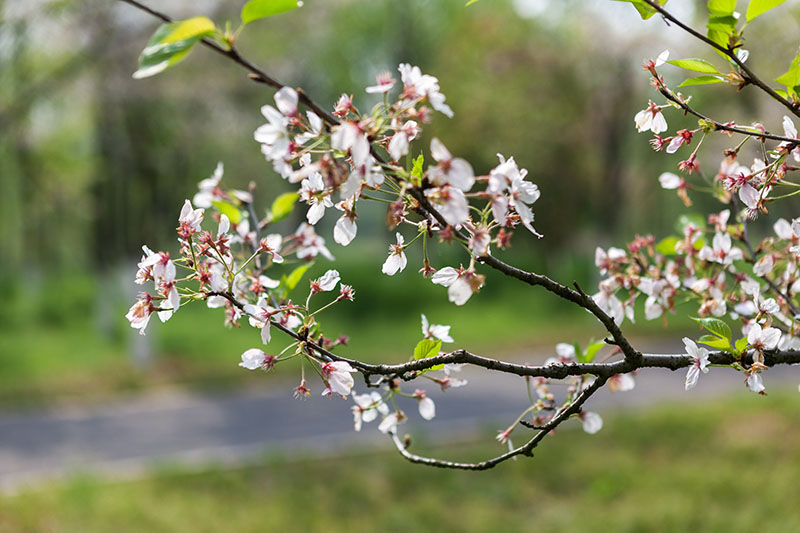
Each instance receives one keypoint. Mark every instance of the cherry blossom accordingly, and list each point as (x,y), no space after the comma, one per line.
(139,313)
(650,119)
(309,244)
(271,245)
(255,359)
(385,84)
(435,331)
(700,362)
(592,423)
(417,86)
(390,422)
(345,229)
(338,377)
(190,219)
(762,340)
(452,171)
(326,283)
(398,145)
(621,383)
(427,409)
(260,316)
(313,193)
(367,408)
(396,261)
(461,284)
(450,202)
(208,189)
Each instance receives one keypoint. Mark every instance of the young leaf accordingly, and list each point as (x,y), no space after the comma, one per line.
(667,245)
(416,170)
(291,281)
(721,7)
(792,76)
(171,43)
(698,65)
(702,80)
(759,7)
(644,9)
(428,348)
(282,206)
(726,25)
(260,9)
(715,326)
(741,344)
(229,210)
(715,342)
(591,351)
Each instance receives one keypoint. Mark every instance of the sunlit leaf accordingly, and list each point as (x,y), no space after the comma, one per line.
(759,7)
(698,65)
(715,326)
(282,206)
(427,348)
(260,9)
(171,43)
(667,245)
(715,342)
(702,80)
(791,78)
(741,344)
(416,170)
(231,211)
(591,351)
(721,7)
(291,281)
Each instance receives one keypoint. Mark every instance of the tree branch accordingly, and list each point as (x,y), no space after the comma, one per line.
(750,75)
(526,449)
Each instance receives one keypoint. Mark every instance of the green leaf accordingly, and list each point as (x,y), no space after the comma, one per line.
(721,7)
(591,351)
(726,25)
(291,281)
(229,210)
(715,342)
(171,43)
(715,326)
(470,3)
(416,170)
(260,9)
(645,11)
(667,245)
(427,348)
(282,206)
(702,80)
(792,76)
(759,7)
(741,344)
(698,65)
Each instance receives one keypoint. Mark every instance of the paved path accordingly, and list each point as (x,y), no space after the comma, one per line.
(128,436)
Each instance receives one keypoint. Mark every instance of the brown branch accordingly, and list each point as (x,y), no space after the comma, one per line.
(526,449)
(669,95)
(750,76)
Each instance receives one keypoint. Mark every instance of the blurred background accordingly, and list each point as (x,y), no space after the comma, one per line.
(93,164)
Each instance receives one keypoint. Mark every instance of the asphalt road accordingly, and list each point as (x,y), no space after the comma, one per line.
(128,436)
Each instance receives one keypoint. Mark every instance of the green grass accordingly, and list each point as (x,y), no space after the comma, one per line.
(715,467)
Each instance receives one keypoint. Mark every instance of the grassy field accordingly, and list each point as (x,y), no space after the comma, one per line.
(716,467)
